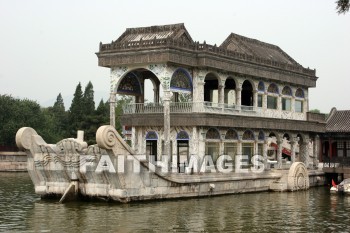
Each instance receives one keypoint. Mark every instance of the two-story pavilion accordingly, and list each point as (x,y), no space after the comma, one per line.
(242,97)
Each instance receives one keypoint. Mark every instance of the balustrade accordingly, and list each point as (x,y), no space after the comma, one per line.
(191,107)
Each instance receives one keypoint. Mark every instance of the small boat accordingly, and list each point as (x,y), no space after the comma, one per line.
(343,187)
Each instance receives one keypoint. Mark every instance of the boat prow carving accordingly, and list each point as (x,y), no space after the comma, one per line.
(108,138)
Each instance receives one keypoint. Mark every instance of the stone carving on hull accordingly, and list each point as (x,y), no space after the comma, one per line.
(298,177)
(65,154)
(108,138)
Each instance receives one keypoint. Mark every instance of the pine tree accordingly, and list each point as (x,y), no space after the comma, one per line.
(343,6)
(88,100)
(60,116)
(58,106)
(102,113)
(76,113)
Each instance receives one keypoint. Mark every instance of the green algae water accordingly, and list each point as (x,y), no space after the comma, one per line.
(316,210)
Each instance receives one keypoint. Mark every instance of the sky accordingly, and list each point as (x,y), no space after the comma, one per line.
(47,47)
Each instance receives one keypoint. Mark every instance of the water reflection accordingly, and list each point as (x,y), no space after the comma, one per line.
(309,211)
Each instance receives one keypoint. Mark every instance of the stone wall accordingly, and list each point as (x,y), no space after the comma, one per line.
(13,161)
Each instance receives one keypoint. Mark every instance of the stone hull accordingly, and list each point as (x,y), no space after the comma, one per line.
(112,171)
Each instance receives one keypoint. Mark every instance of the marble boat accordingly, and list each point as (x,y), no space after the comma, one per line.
(110,170)
(244,97)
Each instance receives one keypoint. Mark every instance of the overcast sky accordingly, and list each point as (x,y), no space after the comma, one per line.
(48,47)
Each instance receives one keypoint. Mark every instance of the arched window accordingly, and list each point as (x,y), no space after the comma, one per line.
(151,146)
(230,92)
(182,150)
(248,135)
(182,135)
(286,99)
(130,85)
(248,146)
(261,139)
(247,94)
(299,94)
(230,145)
(212,144)
(261,136)
(273,89)
(272,98)
(211,88)
(261,86)
(151,135)
(287,91)
(181,81)
(231,134)
(212,133)
(261,91)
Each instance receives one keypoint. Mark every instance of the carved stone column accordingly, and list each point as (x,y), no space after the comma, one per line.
(292,102)
(279,154)
(265,146)
(141,141)
(239,147)
(156,94)
(306,105)
(294,143)
(238,98)
(279,102)
(303,153)
(316,151)
(198,90)
(265,100)
(256,145)
(221,93)
(194,141)
(112,101)
(142,97)
(198,96)
(221,148)
(255,99)
(166,98)
(133,138)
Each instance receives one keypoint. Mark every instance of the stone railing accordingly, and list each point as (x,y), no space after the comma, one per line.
(217,108)
(167,42)
(191,107)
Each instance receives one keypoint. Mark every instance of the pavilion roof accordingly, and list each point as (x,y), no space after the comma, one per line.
(253,47)
(338,121)
(170,31)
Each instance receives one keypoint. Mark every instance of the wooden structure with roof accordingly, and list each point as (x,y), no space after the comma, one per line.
(336,139)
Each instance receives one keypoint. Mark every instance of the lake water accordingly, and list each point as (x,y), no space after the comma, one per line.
(21,210)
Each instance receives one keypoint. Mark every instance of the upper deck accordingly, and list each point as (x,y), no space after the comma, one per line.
(242,77)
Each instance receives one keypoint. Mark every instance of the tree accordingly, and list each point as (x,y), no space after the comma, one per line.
(76,112)
(93,121)
(16,113)
(315,111)
(102,113)
(58,106)
(52,131)
(342,6)
(59,116)
(119,111)
(88,99)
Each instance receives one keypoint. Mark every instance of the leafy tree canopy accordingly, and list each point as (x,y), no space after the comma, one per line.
(342,6)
